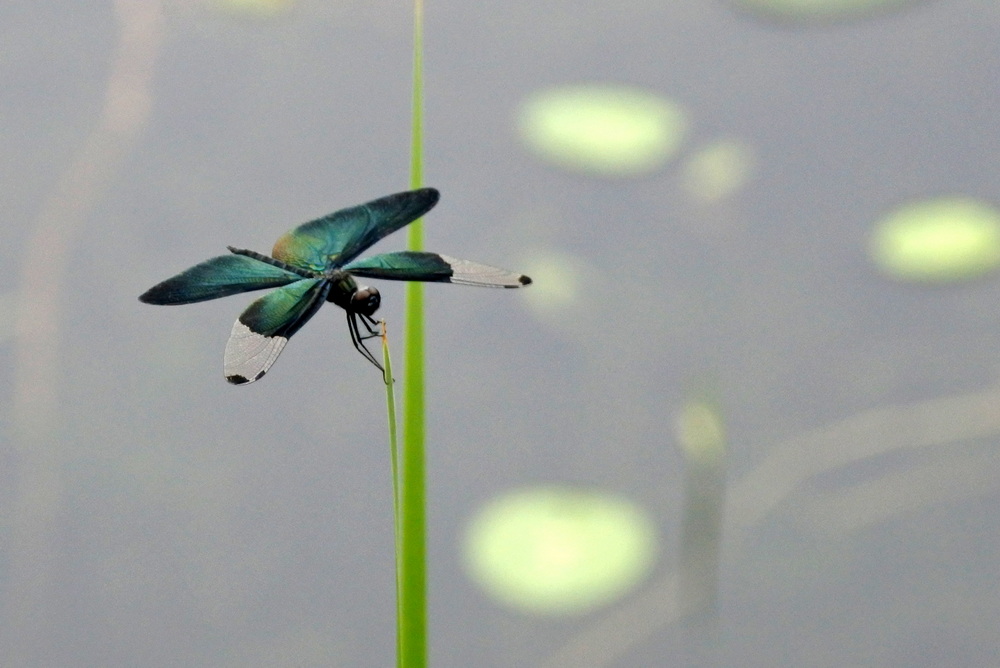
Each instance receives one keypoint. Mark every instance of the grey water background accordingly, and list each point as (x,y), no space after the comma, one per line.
(159,517)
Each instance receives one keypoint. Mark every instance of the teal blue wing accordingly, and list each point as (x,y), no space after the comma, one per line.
(335,240)
(219,277)
(415,266)
(263,329)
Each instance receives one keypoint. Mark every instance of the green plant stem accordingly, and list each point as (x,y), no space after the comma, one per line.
(412,540)
(390,406)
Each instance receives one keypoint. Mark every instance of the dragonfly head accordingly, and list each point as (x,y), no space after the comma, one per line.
(365,300)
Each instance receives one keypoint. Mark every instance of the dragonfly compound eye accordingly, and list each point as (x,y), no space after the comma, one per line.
(366,300)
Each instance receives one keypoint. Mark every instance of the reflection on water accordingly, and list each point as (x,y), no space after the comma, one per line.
(701,436)
(937,426)
(35,415)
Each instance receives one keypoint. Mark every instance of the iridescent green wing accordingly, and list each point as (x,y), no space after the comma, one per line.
(263,329)
(219,277)
(414,266)
(335,240)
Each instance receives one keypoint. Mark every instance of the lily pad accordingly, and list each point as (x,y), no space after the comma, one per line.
(605,130)
(559,550)
(939,240)
(819,11)
(257,7)
(701,433)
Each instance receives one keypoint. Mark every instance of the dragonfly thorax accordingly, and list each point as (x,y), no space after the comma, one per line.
(348,295)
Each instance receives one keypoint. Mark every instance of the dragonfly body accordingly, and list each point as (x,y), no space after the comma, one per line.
(316,263)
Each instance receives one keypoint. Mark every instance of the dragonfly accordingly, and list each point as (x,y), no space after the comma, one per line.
(314,263)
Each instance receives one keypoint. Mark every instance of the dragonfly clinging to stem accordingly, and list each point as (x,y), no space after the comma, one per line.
(314,263)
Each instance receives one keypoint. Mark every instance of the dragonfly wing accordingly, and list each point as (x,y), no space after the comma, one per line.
(417,266)
(337,239)
(263,329)
(219,277)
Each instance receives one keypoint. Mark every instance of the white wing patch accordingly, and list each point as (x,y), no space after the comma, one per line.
(249,355)
(473,273)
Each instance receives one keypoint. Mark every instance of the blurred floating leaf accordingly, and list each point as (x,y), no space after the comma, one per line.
(940,240)
(701,433)
(718,170)
(819,11)
(556,550)
(257,7)
(607,130)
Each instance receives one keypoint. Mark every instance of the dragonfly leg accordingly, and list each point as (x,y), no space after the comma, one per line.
(358,340)
(369,322)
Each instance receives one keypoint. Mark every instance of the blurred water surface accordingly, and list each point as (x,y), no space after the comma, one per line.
(153,515)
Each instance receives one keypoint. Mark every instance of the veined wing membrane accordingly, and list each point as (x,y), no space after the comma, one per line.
(218,277)
(337,239)
(431,267)
(263,329)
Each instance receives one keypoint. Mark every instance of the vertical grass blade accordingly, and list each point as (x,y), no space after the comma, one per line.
(390,409)
(412,525)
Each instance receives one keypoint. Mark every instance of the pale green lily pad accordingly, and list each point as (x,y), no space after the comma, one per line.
(604,130)
(558,550)
(818,11)
(701,433)
(257,7)
(940,240)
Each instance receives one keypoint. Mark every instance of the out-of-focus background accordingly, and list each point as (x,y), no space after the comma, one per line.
(760,355)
